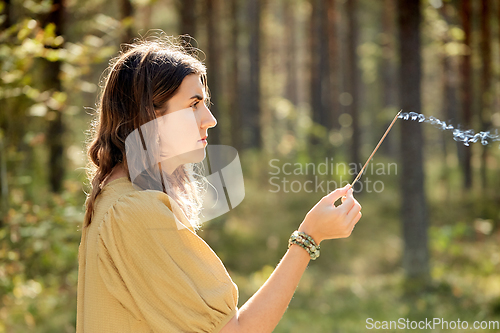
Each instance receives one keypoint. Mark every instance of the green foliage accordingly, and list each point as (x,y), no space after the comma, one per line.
(38,262)
(39,233)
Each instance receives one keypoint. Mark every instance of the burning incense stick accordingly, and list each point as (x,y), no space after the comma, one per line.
(373,153)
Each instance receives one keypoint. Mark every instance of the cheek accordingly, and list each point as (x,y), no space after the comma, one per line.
(179,132)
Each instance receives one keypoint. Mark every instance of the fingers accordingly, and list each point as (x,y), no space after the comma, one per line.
(347,202)
(338,193)
(354,211)
(355,221)
(358,217)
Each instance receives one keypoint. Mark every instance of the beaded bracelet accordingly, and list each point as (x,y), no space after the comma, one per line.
(306,242)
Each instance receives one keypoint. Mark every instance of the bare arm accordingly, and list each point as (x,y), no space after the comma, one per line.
(263,311)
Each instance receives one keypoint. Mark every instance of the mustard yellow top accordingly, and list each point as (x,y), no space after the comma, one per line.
(138,272)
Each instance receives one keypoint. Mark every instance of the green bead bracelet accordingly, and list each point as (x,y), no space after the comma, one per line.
(306,242)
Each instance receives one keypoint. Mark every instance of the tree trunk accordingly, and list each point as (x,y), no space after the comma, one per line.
(414,207)
(318,65)
(497,105)
(291,54)
(466,88)
(315,81)
(352,79)
(235,111)
(127,19)
(187,10)
(6,14)
(486,97)
(251,115)
(388,70)
(333,60)
(450,87)
(213,65)
(52,70)
(4,185)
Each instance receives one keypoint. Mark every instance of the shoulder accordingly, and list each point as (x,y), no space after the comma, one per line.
(139,209)
(144,202)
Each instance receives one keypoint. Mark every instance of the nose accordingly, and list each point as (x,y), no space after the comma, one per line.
(207,119)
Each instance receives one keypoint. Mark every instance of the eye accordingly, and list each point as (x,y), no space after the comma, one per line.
(195,105)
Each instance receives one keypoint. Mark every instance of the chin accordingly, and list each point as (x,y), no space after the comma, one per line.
(194,156)
(199,155)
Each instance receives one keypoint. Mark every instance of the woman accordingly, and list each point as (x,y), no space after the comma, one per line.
(139,271)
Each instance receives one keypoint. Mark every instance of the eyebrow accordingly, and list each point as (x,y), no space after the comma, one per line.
(198,97)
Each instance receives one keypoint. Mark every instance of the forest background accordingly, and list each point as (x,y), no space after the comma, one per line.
(291,81)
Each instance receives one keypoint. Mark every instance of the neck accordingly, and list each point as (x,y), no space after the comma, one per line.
(117,172)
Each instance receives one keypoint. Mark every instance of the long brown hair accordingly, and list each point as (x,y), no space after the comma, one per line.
(140,80)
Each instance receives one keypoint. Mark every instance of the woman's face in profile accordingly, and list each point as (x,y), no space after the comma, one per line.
(183,125)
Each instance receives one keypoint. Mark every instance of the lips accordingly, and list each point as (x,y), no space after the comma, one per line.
(204,138)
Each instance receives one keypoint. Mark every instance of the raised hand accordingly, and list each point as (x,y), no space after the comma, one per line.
(325,221)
